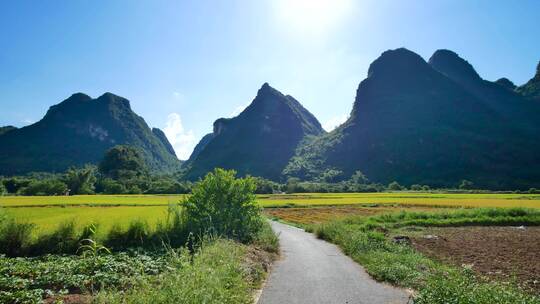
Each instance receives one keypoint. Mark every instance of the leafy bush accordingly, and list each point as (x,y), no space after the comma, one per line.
(224,205)
(64,239)
(45,187)
(395,186)
(214,274)
(81,181)
(123,163)
(3,189)
(15,237)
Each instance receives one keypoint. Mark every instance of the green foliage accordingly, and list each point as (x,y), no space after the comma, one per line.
(78,131)
(135,235)
(45,187)
(362,239)
(330,176)
(81,181)
(64,239)
(3,190)
(110,186)
(265,186)
(14,184)
(215,274)
(15,237)
(258,142)
(395,186)
(224,205)
(466,185)
(28,280)
(123,163)
(359,178)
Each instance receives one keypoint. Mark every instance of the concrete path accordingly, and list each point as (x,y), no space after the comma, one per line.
(314,271)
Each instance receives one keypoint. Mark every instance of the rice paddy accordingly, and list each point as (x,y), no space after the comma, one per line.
(108,210)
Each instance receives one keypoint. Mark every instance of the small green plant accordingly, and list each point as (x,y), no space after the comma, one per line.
(224,205)
(89,247)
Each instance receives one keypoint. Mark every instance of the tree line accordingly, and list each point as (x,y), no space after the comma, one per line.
(124,171)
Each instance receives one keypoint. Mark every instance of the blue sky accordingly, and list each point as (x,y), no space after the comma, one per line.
(183,64)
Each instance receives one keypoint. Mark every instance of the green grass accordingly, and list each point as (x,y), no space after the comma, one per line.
(215,275)
(365,239)
(47,212)
(303,199)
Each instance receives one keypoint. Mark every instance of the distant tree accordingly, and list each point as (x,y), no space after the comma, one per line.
(3,190)
(14,184)
(330,176)
(293,185)
(359,178)
(123,163)
(425,188)
(416,187)
(534,191)
(81,181)
(265,186)
(110,186)
(45,187)
(223,205)
(394,186)
(466,185)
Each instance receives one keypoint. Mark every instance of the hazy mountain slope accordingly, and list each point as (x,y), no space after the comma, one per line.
(413,124)
(78,131)
(4,130)
(161,136)
(259,141)
(531,89)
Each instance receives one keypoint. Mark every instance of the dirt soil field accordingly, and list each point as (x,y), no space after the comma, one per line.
(316,215)
(501,253)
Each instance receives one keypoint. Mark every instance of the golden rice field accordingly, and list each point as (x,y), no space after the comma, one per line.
(107,210)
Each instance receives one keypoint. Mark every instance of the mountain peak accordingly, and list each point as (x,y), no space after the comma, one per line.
(79,96)
(267,90)
(506,83)
(111,98)
(450,64)
(398,61)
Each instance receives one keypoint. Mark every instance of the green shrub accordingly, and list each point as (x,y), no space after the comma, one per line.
(395,186)
(224,205)
(45,187)
(15,237)
(81,181)
(214,274)
(137,234)
(64,239)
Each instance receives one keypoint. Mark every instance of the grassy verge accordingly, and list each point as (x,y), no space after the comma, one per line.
(366,240)
(218,271)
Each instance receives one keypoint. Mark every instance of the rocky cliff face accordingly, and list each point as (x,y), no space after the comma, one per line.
(78,131)
(430,123)
(259,141)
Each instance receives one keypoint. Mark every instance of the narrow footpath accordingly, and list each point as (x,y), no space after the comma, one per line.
(314,271)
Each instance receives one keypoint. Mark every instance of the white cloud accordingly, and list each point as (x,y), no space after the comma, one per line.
(183,141)
(28,121)
(334,122)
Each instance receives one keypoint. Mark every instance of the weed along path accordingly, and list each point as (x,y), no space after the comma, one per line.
(314,271)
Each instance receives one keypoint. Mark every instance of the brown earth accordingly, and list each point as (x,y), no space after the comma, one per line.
(316,215)
(501,253)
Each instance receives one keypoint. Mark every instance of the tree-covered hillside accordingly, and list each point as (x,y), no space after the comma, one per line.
(78,131)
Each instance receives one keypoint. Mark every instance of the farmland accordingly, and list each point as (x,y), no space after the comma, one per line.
(48,211)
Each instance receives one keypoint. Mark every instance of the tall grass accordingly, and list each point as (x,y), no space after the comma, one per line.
(216,273)
(365,240)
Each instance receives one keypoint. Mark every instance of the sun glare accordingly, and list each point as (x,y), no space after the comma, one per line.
(311,16)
